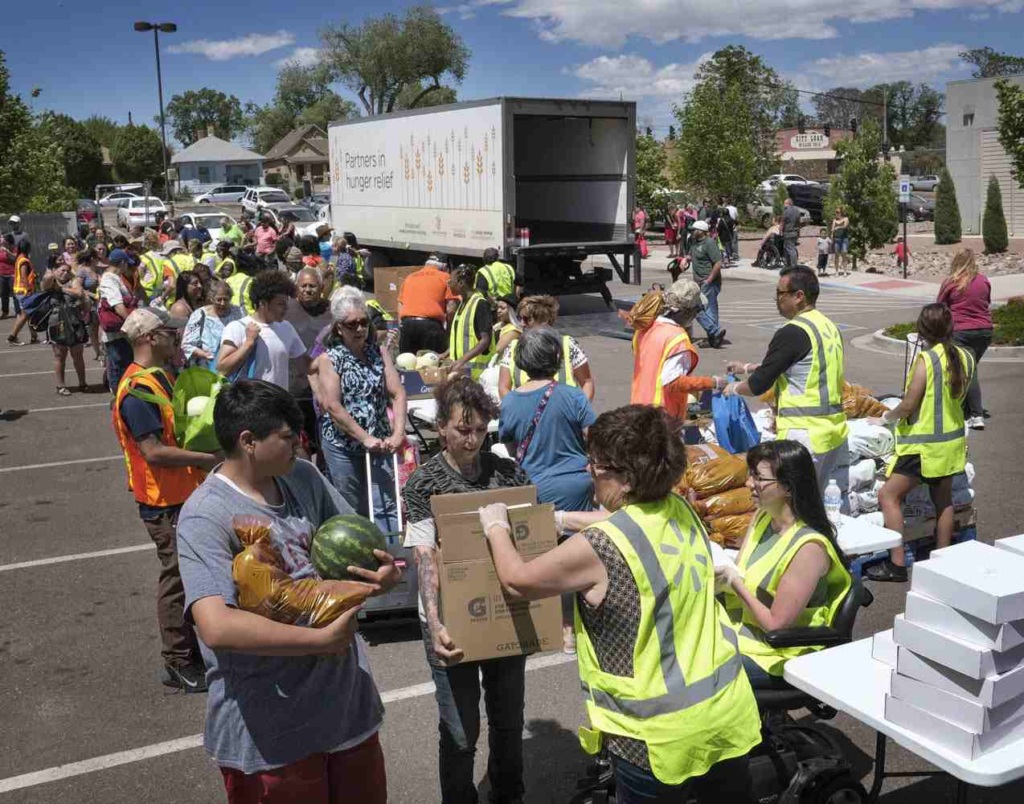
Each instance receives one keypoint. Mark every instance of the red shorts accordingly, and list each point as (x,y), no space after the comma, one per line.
(355,776)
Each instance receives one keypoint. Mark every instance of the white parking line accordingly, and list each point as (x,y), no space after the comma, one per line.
(59,463)
(73,769)
(40,373)
(25,350)
(70,407)
(43,562)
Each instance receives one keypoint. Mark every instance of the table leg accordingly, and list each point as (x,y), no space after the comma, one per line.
(876,785)
(961,791)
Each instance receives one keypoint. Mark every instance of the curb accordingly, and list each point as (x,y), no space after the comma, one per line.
(896,346)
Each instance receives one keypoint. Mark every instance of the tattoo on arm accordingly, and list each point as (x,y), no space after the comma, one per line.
(426,569)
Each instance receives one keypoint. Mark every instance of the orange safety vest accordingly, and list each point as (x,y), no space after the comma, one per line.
(158,486)
(29,285)
(651,348)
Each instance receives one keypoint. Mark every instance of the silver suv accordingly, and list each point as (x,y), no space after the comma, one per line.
(256,198)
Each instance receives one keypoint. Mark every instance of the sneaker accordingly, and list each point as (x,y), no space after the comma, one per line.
(885,570)
(716,341)
(976,423)
(187,677)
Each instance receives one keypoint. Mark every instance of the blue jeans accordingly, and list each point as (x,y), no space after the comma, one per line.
(458,704)
(348,474)
(726,781)
(708,317)
(119,356)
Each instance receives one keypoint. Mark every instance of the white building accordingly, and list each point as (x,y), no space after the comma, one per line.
(211,161)
(973,153)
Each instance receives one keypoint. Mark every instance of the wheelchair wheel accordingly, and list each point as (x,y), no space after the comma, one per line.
(842,790)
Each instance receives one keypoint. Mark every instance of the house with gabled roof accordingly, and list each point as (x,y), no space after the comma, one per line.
(300,155)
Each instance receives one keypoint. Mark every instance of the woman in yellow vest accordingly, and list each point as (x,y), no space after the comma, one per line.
(931,444)
(470,336)
(507,326)
(790,571)
(663,681)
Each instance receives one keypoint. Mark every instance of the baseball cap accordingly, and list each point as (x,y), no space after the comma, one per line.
(53,247)
(683,294)
(144,320)
(14,219)
(701,226)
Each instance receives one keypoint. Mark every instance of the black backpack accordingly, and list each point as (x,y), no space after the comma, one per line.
(65,325)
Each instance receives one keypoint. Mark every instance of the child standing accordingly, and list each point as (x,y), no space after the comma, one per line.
(902,253)
(824,249)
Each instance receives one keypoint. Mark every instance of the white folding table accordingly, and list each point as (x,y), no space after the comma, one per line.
(847,678)
(857,537)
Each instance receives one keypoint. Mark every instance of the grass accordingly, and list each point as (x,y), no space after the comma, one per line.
(1008,322)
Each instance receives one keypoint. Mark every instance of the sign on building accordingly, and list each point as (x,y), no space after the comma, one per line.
(808,141)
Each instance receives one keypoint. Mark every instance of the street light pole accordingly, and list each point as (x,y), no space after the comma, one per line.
(156,28)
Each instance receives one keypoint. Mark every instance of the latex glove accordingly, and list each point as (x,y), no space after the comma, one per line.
(726,576)
(495,514)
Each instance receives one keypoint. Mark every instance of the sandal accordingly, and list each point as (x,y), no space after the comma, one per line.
(885,570)
(62,390)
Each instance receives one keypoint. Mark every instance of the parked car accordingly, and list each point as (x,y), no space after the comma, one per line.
(919,209)
(925,184)
(225,194)
(304,218)
(811,197)
(87,211)
(317,201)
(763,213)
(255,198)
(769,184)
(209,219)
(139,212)
(115,199)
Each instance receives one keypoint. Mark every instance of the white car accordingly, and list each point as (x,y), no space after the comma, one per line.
(304,218)
(139,212)
(769,184)
(211,220)
(115,199)
(224,194)
(256,198)
(924,183)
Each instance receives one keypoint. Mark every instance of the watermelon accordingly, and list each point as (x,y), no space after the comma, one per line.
(344,541)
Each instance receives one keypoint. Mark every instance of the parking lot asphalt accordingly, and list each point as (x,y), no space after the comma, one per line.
(82,714)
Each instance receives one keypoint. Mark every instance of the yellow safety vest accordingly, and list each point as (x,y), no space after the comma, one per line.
(500,278)
(564,376)
(222,263)
(463,336)
(152,274)
(764,559)
(688,698)
(814,402)
(173,266)
(936,431)
(376,305)
(239,284)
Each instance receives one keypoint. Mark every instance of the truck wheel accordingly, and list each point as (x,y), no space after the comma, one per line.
(766,221)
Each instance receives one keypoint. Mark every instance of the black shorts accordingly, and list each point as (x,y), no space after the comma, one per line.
(910,466)
(416,334)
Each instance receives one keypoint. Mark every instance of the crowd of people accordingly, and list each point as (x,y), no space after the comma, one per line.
(670,648)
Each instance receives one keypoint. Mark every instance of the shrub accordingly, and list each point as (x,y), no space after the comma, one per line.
(947,211)
(1007,322)
(779,197)
(993,225)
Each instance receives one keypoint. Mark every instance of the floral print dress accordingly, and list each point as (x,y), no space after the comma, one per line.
(364,395)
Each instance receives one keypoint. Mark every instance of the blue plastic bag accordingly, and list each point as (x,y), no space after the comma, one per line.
(734,426)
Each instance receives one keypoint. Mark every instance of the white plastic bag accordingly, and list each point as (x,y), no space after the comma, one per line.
(869,440)
(862,475)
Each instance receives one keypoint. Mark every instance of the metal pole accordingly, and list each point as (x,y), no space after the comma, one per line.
(885,119)
(906,244)
(163,127)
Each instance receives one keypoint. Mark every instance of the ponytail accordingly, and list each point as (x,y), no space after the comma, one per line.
(935,325)
(957,370)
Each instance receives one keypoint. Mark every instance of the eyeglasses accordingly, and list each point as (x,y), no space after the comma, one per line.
(762,480)
(780,293)
(355,326)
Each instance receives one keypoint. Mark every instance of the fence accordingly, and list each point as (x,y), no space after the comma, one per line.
(43,228)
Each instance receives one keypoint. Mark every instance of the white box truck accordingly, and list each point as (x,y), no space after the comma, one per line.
(546,182)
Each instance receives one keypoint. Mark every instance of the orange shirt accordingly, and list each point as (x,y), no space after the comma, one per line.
(424,294)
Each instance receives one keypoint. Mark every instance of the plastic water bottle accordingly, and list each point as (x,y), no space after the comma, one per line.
(833,502)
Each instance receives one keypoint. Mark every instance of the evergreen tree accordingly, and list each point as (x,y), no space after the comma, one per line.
(779,199)
(947,211)
(993,225)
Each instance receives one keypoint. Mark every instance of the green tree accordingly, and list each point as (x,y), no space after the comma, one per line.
(380,58)
(993,225)
(650,162)
(717,151)
(413,97)
(837,106)
(193,111)
(83,159)
(863,187)
(913,112)
(779,197)
(102,129)
(947,211)
(137,155)
(1011,125)
(989,63)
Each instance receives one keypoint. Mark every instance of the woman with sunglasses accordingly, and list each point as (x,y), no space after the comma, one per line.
(664,686)
(790,571)
(355,382)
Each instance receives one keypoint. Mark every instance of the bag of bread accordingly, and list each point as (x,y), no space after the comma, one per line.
(733,527)
(264,588)
(726,503)
(697,454)
(713,477)
(858,402)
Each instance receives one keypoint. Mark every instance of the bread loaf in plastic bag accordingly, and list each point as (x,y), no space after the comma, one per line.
(714,477)
(733,527)
(264,588)
(726,503)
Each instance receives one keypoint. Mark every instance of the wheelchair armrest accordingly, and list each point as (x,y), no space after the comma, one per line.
(805,637)
(866,598)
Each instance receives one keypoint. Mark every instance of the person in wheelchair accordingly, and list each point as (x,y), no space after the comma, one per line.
(790,571)
(770,252)
(665,692)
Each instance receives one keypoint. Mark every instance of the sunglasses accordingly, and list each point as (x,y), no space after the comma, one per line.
(354,326)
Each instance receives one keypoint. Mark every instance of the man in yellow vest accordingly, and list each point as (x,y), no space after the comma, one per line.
(471,333)
(176,260)
(804,365)
(151,266)
(227,269)
(495,279)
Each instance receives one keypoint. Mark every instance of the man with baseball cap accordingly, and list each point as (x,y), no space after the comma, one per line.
(16,230)
(705,262)
(120,293)
(161,475)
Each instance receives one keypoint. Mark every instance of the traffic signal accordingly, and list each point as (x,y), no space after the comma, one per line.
(800,124)
(853,124)
(827,130)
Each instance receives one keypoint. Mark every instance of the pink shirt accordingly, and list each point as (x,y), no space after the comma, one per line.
(266,236)
(970,306)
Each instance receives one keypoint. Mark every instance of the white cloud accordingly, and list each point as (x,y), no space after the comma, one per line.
(223,49)
(633,77)
(608,23)
(302,56)
(865,69)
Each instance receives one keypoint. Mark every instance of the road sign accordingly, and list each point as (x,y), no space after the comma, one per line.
(904,189)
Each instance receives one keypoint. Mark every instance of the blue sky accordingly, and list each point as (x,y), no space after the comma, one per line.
(86,58)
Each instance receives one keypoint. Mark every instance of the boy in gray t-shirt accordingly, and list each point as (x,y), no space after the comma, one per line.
(289,699)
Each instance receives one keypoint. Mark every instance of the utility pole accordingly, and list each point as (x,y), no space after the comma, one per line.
(156,28)
(885,122)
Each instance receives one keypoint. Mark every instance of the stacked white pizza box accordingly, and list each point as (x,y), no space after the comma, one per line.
(957,652)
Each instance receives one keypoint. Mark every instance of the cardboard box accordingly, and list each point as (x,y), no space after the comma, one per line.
(1015,544)
(387,282)
(976,578)
(421,383)
(479,616)
(969,715)
(991,692)
(883,649)
(958,740)
(964,657)
(922,610)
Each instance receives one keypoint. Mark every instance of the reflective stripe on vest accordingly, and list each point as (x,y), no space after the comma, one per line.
(937,433)
(500,278)
(565,374)
(463,335)
(153,273)
(376,305)
(652,348)
(239,284)
(29,284)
